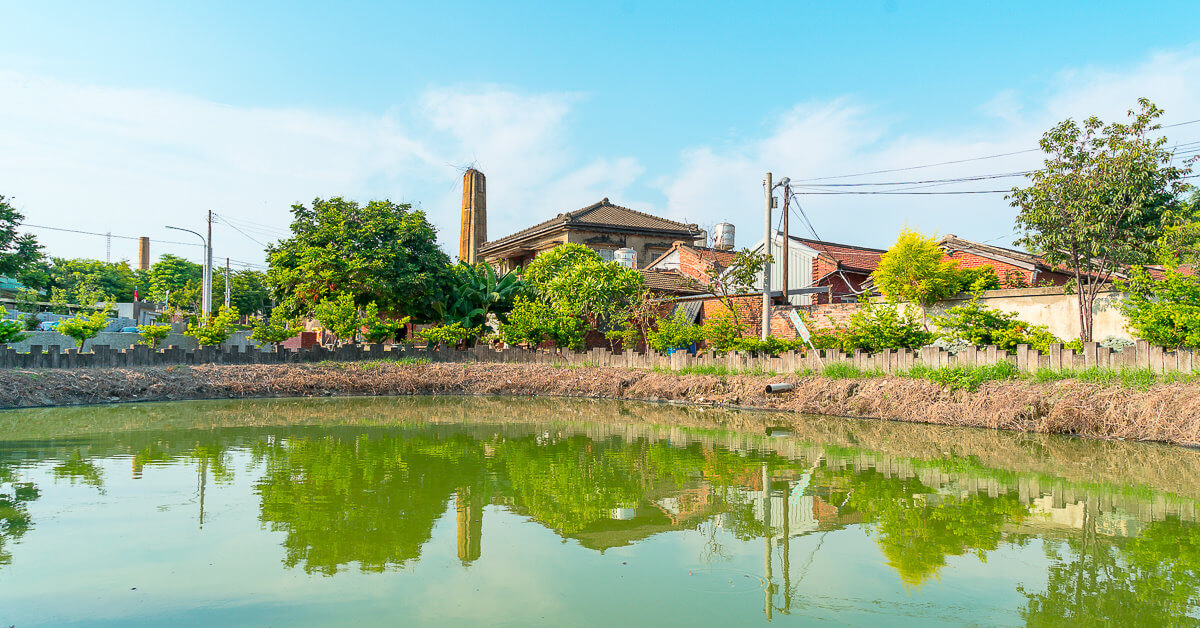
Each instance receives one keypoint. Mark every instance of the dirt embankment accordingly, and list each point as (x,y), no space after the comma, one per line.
(1166,413)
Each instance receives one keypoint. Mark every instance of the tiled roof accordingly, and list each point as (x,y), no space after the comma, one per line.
(953,243)
(847,256)
(670,281)
(603,214)
(721,258)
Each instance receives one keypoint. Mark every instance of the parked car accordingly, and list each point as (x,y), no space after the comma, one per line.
(47,325)
(129,330)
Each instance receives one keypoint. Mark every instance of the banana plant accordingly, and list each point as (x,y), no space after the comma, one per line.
(477,292)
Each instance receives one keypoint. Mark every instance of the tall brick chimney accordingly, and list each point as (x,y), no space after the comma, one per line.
(143,253)
(474,217)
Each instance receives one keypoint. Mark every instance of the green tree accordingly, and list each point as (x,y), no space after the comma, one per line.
(274,329)
(247,289)
(215,329)
(1103,200)
(738,277)
(89,280)
(18,251)
(573,278)
(10,330)
(153,335)
(340,316)
(381,328)
(476,291)
(380,251)
(85,325)
(1166,312)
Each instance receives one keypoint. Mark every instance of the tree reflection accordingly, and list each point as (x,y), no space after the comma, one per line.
(371,501)
(76,468)
(917,528)
(1151,579)
(14,511)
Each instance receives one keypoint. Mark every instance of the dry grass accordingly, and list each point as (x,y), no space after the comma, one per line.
(1165,412)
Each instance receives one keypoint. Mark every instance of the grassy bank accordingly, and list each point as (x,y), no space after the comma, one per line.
(991,398)
(967,377)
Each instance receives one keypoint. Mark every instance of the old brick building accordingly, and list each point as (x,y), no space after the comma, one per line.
(602,227)
(1014,268)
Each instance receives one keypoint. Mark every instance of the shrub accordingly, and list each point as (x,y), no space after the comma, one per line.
(674,332)
(83,327)
(31,322)
(11,331)
(915,269)
(152,335)
(381,328)
(723,332)
(451,335)
(274,330)
(877,326)
(979,325)
(214,330)
(772,345)
(533,321)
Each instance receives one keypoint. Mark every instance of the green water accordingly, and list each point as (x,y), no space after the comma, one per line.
(507,511)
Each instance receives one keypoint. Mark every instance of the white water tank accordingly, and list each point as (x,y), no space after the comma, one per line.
(723,236)
(626,257)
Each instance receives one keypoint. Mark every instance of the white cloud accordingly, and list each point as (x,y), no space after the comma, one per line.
(103,158)
(843,136)
(131,160)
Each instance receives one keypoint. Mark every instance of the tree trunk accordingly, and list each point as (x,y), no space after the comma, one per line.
(1086,300)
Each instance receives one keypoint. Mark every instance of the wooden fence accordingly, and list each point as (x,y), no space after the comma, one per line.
(1140,356)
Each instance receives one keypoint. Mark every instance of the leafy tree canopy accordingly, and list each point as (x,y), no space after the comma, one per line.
(17,250)
(1105,197)
(380,251)
(916,270)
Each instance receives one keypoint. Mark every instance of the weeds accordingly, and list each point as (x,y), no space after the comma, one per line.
(967,377)
(843,370)
(719,370)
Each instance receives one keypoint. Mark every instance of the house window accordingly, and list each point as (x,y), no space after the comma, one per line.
(605,254)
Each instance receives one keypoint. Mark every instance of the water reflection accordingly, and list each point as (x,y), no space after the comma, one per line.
(366,495)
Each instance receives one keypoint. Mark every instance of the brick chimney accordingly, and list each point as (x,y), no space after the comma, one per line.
(474,217)
(143,253)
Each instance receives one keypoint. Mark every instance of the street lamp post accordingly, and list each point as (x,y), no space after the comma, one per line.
(206,279)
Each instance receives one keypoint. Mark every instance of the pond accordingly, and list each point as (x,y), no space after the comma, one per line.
(578,512)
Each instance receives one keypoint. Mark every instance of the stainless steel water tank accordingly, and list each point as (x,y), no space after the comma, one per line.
(626,257)
(723,236)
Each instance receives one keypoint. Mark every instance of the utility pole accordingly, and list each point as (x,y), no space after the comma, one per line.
(226,282)
(787,191)
(766,306)
(108,247)
(208,270)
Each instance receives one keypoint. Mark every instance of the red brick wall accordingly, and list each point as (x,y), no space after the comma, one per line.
(1032,278)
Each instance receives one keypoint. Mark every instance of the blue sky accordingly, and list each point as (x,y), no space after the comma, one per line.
(122,116)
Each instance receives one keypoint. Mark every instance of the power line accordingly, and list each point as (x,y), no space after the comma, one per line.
(943,163)
(981,177)
(959,161)
(124,237)
(820,192)
(232,226)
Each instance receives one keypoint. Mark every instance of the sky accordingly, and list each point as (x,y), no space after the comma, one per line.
(125,117)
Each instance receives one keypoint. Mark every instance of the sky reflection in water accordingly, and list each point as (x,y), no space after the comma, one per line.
(571,513)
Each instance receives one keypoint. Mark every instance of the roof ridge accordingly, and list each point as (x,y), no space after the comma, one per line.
(604,202)
(848,246)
